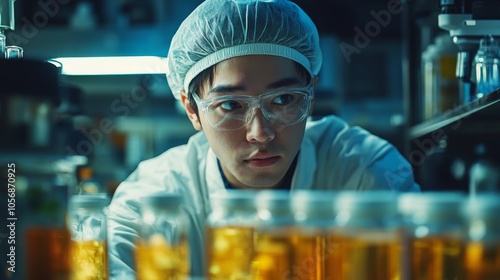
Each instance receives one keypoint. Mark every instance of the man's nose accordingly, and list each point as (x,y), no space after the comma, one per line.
(259,129)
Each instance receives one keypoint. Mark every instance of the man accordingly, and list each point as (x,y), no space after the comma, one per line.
(245,72)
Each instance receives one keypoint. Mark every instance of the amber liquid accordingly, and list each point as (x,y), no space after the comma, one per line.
(89,260)
(375,256)
(482,261)
(229,253)
(156,259)
(48,253)
(436,258)
(288,255)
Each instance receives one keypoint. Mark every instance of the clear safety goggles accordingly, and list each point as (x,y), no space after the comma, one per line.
(280,107)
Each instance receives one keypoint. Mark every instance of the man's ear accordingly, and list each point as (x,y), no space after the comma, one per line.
(192,115)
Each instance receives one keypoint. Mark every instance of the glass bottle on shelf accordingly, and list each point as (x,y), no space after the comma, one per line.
(439,84)
(14,52)
(487,66)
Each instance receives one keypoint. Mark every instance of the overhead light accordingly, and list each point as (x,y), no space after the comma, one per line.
(111,65)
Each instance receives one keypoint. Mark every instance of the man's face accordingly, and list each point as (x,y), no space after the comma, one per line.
(259,154)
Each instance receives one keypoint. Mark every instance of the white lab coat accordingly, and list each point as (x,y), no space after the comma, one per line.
(333,156)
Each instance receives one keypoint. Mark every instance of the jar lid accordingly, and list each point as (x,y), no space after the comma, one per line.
(312,202)
(431,203)
(369,204)
(89,201)
(234,199)
(162,201)
(483,206)
(273,199)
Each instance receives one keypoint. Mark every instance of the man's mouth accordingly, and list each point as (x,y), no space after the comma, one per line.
(262,160)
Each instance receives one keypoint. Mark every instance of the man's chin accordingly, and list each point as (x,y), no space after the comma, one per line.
(260,184)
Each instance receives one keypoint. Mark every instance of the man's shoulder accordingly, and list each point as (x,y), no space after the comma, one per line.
(326,129)
(167,171)
(325,122)
(332,128)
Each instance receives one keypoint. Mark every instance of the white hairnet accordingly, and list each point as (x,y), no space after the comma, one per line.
(221,29)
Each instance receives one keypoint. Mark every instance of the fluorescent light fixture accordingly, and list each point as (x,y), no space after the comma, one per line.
(111,65)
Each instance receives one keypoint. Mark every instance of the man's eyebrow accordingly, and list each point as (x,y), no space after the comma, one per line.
(289,81)
(227,89)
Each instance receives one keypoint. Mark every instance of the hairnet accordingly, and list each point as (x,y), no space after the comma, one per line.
(221,29)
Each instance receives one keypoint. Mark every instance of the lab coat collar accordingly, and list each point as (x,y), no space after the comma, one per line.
(303,178)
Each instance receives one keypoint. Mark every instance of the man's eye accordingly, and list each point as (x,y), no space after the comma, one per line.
(229,105)
(283,99)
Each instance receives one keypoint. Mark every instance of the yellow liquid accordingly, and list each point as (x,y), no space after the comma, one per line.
(288,255)
(308,257)
(48,253)
(89,260)
(435,258)
(375,256)
(156,259)
(482,262)
(229,253)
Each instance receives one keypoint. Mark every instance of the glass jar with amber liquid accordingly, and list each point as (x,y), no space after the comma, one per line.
(162,250)
(313,214)
(434,234)
(274,246)
(46,236)
(230,235)
(366,240)
(89,247)
(482,250)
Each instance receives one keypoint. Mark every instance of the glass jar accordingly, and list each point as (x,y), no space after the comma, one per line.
(89,247)
(230,233)
(162,250)
(439,83)
(366,237)
(314,218)
(434,234)
(274,234)
(482,250)
(44,228)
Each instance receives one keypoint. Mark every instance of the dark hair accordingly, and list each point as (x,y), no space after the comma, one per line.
(196,85)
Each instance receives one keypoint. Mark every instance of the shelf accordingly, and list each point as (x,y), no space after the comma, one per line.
(481,110)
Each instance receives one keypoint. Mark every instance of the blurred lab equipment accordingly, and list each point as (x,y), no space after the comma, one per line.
(487,66)
(484,173)
(28,92)
(468,21)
